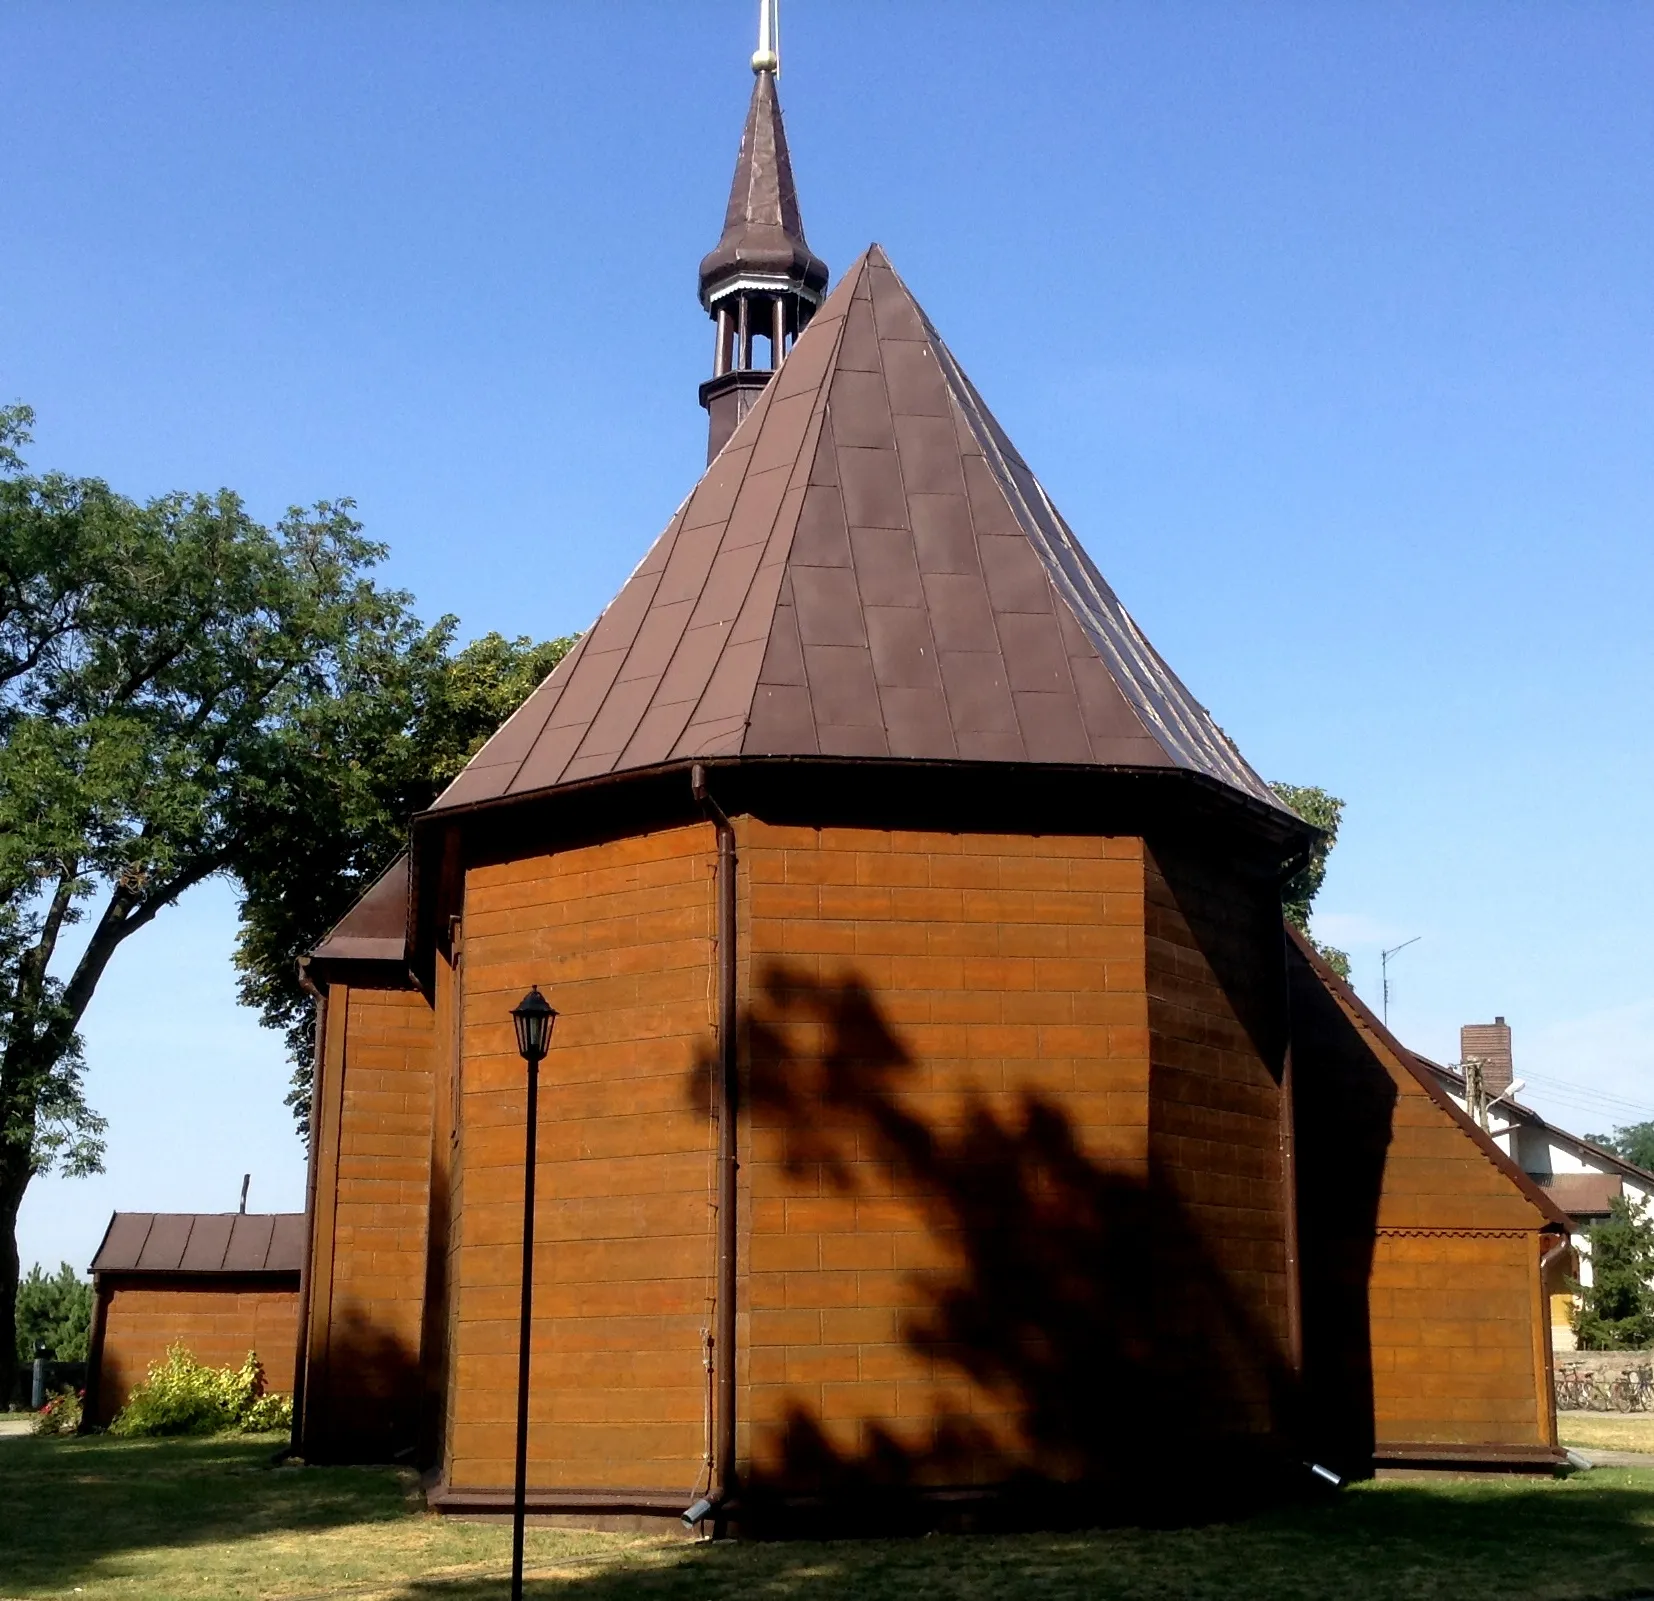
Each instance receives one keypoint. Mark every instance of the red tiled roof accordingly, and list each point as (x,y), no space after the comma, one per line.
(868,569)
(1585,1194)
(210,1242)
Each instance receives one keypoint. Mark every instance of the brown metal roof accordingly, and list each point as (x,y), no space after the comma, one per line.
(1585,1194)
(763,233)
(868,568)
(375,928)
(210,1242)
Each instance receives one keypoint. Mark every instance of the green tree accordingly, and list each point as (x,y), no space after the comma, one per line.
(394,735)
(164,670)
(1632,1142)
(1617,1312)
(55,1312)
(1324,811)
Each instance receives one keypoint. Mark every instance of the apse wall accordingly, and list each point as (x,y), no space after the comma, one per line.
(946,1169)
(619,936)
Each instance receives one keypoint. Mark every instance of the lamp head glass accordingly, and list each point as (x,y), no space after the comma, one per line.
(534,1018)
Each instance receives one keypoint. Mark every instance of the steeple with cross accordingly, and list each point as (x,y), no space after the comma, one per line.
(762,282)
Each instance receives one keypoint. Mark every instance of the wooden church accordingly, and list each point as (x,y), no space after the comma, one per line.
(940,1120)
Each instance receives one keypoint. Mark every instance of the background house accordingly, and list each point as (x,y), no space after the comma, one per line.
(1580,1176)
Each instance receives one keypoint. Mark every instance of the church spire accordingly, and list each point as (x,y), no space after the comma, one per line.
(762,281)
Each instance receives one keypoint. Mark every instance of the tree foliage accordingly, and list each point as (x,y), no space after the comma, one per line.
(56,1312)
(1324,811)
(394,735)
(1617,1312)
(170,674)
(1632,1142)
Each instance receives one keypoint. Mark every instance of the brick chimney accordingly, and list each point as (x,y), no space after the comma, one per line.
(1491,1043)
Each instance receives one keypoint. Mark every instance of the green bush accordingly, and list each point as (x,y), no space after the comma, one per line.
(269,1414)
(61,1414)
(181,1396)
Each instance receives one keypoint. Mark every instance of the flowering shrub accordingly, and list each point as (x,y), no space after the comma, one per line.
(61,1414)
(269,1414)
(181,1396)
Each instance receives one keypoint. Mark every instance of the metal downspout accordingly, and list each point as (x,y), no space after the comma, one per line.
(724,1101)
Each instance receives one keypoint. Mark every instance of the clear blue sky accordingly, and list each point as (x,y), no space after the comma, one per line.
(1328,326)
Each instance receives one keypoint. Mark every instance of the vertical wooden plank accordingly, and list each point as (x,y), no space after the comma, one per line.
(1543,1381)
(452,1045)
(301,1324)
(1289,1203)
(93,1399)
(433,1335)
(330,1118)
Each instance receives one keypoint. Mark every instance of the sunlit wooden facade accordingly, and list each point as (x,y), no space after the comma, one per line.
(866,844)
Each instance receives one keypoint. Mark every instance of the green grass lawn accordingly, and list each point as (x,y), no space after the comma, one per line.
(1608,1431)
(190,1519)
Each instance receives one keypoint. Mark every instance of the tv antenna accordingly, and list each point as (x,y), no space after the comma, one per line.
(1384,965)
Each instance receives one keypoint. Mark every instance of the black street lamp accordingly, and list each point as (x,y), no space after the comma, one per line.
(534,1018)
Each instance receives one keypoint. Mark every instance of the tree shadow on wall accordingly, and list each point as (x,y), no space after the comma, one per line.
(1088,1354)
(362,1401)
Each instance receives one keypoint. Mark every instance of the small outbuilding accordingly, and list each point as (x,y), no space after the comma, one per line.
(220,1284)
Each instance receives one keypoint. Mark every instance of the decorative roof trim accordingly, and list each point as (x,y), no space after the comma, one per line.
(762,283)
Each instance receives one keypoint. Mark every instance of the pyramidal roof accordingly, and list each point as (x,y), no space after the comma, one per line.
(867,569)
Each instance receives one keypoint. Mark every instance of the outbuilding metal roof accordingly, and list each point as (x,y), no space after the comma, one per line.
(202,1242)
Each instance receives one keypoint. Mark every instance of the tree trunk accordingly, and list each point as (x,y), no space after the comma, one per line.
(14,1180)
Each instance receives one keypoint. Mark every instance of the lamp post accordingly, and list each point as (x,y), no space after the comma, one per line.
(534,1018)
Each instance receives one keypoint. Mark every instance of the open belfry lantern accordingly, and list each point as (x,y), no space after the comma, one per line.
(952,1126)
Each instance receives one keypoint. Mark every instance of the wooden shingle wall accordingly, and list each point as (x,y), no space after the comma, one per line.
(1424,1318)
(218,1324)
(945,1153)
(1218,1264)
(619,936)
(1454,1319)
(369,1245)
